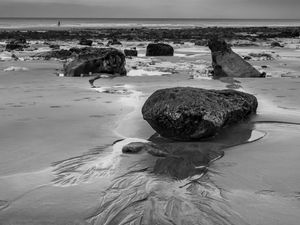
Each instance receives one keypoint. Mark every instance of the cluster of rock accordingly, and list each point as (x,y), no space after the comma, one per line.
(17,44)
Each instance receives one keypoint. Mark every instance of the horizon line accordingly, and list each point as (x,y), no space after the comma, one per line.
(148,18)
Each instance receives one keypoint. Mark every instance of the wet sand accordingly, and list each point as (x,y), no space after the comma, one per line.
(60,162)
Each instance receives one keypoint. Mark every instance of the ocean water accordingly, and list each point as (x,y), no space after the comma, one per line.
(19,23)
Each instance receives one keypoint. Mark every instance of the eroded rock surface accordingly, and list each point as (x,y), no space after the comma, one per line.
(227,63)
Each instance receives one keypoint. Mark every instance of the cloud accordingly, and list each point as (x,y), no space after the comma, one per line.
(152,8)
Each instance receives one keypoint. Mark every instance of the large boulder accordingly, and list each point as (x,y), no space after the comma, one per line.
(227,63)
(186,113)
(159,49)
(107,60)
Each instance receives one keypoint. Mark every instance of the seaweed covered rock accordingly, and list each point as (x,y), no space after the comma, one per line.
(107,60)
(85,41)
(17,44)
(131,52)
(159,49)
(227,63)
(186,113)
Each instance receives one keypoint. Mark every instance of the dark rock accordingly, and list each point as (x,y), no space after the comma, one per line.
(54,47)
(201,43)
(247,57)
(227,63)
(178,42)
(107,60)
(85,41)
(149,147)
(159,49)
(276,44)
(113,42)
(57,54)
(186,113)
(13,56)
(133,147)
(17,44)
(131,52)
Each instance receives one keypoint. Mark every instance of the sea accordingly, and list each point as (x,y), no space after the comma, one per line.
(35,23)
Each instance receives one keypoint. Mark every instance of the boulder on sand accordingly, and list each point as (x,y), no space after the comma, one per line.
(159,49)
(107,60)
(227,63)
(186,113)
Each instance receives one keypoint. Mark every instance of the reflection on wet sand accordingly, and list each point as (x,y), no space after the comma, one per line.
(175,189)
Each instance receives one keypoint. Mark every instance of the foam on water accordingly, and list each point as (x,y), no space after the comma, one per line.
(15,68)
(141,72)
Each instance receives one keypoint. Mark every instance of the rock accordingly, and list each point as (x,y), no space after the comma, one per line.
(201,43)
(151,148)
(85,41)
(54,47)
(178,42)
(276,44)
(159,49)
(17,44)
(130,52)
(262,56)
(107,60)
(186,113)
(133,147)
(113,42)
(247,57)
(227,63)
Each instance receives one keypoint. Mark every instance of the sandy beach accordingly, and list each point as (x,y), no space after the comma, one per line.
(61,158)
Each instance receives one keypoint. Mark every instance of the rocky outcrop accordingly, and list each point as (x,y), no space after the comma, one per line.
(85,41)
(227,63)
(107,60)
(17,44)
(159,49)
(131,52)
(186,113)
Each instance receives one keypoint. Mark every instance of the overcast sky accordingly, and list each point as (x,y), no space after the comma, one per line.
(281,9)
